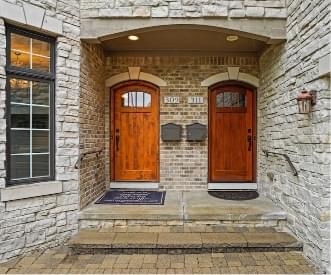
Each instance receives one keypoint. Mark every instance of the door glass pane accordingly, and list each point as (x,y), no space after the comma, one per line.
(19,141)
(20,116)
(230,99)
(19,167)
(19,91)
(140,99)
(40,141)
(40,165)
(132,99)
(20,51)
(40,117)
(40,93)
(147,100)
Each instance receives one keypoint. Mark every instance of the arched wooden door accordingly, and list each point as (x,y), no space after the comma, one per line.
(231,134)
(136,132)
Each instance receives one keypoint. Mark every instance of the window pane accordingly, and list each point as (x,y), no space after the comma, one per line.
(40,93)
(19,141)
(40,165)
(40,117)
(20,51)
(230,99)
(19,167)
(147,100)
(40,47)
(40,141)
(19,59)
(40,63)
(19,91)
(125,100)
(132,99)
(219,100)
(140,99)
(20,116)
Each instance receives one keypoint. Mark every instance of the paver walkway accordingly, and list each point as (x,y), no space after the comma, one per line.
(59,261)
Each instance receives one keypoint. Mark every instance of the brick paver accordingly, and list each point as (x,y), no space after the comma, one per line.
(60,261)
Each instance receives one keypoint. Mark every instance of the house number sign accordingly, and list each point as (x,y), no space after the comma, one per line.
(195,100)
(171,99)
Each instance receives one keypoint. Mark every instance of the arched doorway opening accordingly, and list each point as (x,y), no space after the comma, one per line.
(135,128)
(232,132)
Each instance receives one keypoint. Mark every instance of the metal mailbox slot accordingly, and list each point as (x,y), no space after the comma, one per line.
(196,132)
(171,132)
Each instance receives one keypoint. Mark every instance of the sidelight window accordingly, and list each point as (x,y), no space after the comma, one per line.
(30,107)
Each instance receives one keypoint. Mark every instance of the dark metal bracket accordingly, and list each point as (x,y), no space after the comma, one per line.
(83,155)
(287,158)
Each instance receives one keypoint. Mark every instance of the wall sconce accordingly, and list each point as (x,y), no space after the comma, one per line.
(306,99)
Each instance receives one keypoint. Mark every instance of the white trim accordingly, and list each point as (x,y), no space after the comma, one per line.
(30,190)
(231,74)
(232,186)
(134,185)
(134,73)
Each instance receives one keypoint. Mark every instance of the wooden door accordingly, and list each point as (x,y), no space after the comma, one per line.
(136,132)
(231,134)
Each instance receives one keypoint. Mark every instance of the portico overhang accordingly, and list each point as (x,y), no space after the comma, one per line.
(267,30)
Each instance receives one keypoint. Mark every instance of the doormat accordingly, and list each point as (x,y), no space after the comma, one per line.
(234,195)
(132,197)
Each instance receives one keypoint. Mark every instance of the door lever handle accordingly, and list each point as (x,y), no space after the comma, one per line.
(249,139)
(117,139)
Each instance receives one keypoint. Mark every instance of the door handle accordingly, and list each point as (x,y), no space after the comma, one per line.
(117,139)
(249,139)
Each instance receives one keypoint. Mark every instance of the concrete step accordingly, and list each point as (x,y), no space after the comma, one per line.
(93,241)
(194,211)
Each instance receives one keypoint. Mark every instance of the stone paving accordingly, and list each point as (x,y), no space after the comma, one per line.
(59,260)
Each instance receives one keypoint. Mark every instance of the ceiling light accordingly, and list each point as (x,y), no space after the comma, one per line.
(133,37)
(232,38)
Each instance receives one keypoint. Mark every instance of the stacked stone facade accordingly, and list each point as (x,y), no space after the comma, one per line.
(287,69)
(183,9)
(183,165)
(46,221)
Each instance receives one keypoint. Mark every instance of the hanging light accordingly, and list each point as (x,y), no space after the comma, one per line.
(306,99)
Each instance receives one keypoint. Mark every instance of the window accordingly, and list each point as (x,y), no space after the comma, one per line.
(230,99)
(30,106)
(136,99)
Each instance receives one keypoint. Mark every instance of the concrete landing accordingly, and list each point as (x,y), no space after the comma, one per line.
(190,205)
(93,241)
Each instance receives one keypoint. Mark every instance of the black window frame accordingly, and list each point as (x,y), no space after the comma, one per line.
(13,72)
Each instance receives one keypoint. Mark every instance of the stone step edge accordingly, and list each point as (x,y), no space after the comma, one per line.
(198,241)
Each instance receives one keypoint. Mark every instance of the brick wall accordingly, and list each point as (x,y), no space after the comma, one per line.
(285,70)
(92,123)
(46,221)
(184,8)
(183,165)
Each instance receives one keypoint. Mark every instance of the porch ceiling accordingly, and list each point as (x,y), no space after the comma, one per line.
(182,39)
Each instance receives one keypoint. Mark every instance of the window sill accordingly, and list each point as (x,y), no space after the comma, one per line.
(30,190)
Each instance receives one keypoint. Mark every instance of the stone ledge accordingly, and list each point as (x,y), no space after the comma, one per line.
(31,15)
(30,190)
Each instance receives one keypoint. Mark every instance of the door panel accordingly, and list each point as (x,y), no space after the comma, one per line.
(231,134)
(136,128)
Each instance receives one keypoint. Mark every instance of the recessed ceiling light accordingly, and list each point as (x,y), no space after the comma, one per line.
(232,38)
(133,37)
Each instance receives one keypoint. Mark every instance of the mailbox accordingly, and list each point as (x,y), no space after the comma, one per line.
(196,132)
(171,132)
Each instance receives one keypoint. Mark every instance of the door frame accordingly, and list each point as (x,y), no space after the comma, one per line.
(112,126)
(254,130)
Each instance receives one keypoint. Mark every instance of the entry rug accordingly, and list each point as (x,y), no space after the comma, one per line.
(132,197)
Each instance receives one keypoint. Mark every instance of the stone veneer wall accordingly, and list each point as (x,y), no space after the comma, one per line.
(183,165)
(92,123)
(183,8)
(285,70)
(46,221)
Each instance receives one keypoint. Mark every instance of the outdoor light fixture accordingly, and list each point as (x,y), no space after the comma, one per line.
(232,38)
(306,99)
(133,37)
